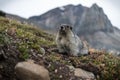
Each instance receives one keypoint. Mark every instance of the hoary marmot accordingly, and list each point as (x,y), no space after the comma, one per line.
(68,42)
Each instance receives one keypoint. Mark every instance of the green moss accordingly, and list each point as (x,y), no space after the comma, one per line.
(53,57)
(111,69)
(4,39)
(24,55)
(26,37)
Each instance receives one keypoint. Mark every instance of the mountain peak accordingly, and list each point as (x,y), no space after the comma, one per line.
(95,6)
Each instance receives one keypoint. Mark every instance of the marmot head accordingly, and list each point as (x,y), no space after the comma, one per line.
(65,29)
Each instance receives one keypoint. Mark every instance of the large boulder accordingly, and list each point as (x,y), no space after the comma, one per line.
(31,71)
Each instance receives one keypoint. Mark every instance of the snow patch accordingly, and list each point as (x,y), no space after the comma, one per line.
(62,8)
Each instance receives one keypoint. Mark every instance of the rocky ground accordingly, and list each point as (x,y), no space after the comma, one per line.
(20,42)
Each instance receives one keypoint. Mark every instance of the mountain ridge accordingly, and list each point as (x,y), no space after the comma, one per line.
(89,23)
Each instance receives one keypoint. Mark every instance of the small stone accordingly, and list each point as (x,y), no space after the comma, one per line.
(60,68)
(61,76)
(102,65)
(39,55)
(84,74)
(71,68)
(31,71)
(42,51)
(56,70)
(30,61)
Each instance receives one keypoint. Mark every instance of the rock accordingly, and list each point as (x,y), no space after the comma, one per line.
(84,74)
(114,52)
(42,51)
(85,49)
(71,68)
(31,71)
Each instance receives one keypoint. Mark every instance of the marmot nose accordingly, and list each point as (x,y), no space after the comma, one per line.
(62,28)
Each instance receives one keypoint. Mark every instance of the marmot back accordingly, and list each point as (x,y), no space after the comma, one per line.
(68,42)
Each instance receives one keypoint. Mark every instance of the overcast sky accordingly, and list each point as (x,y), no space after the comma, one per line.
(27,8)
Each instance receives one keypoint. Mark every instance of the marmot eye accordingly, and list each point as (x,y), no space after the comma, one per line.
(61,27)
(70,27)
